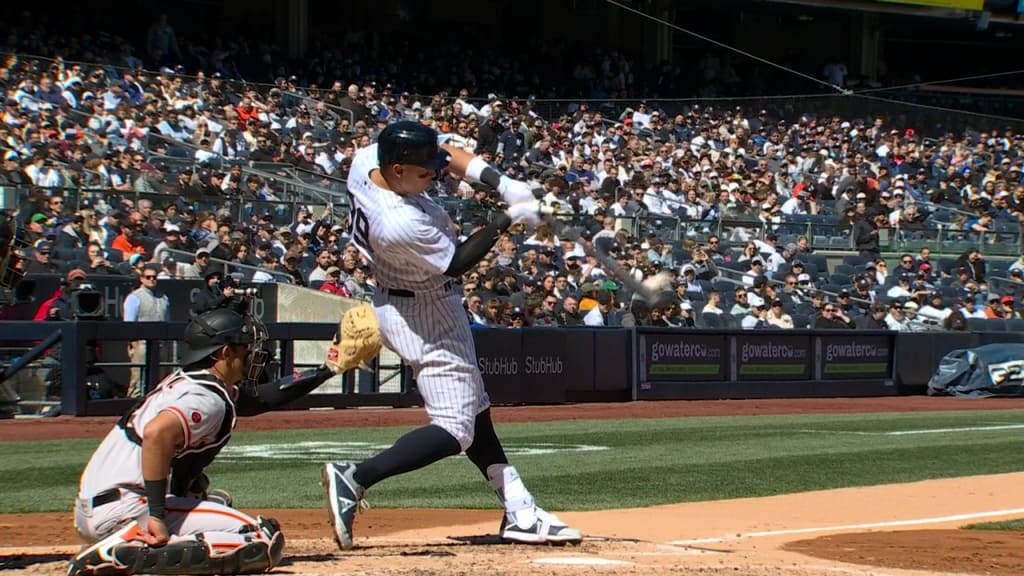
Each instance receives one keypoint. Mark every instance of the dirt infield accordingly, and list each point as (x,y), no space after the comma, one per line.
(908,527)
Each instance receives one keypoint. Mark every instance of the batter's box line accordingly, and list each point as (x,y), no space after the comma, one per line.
(851,527)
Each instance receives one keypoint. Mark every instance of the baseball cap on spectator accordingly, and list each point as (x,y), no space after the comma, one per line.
(910,305)
(992,297)
(610,286)
(588,287)
(39,218)
(76,274)
(803,278)
(135,259)
(754,300)
(332,270)
(686,306)
(202,251)
(799,263)
(1007,299)
(170,262)
(861,196)
(284,230)
(42,246)
(158,215)
(171,229)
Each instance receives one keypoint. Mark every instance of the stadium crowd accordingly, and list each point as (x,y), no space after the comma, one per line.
(121,170)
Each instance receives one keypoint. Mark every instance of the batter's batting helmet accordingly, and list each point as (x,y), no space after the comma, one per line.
(409,142)
(208,332)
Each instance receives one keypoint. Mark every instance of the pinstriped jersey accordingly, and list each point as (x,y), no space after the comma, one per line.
(410,240)
(201,404)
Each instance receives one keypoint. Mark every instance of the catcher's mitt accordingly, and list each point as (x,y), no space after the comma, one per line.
(356,342)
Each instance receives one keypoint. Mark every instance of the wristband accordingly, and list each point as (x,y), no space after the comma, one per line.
(156,497)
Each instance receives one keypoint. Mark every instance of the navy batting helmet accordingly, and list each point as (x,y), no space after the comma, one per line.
(409,142)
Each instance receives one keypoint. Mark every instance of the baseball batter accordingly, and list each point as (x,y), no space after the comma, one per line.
(412,245)
(142,501)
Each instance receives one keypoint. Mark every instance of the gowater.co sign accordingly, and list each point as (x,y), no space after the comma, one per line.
(855,357)
(683,356)
(773,357)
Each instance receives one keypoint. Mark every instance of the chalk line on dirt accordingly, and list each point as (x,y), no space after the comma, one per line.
(846,527)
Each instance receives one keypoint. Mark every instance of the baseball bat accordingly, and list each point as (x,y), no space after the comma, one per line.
(650,290)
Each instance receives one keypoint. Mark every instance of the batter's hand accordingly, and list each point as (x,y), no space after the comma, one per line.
(156,533)
(526,213)
(515,192)
(356,342)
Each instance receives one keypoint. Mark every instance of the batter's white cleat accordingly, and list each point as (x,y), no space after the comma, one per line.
(535,526)
(344,498)
(99,559)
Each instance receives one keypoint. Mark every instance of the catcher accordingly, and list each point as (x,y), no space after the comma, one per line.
(144,504)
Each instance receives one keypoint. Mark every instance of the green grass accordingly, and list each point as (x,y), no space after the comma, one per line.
(1004,525)
(645,462)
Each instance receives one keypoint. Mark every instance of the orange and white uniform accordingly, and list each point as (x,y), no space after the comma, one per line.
(111,489)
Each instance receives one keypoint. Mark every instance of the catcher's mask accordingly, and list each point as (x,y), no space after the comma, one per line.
(208,332)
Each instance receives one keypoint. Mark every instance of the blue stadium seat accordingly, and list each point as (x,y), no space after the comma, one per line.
(713,321)
(841,279)
(995,325)
(977,324)
(846,269)
(1015,325)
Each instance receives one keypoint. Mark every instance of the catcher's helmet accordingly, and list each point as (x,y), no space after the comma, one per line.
(409,142)
(208,332)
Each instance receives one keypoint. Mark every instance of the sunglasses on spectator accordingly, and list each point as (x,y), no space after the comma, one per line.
(149,276)
(828,309)
(791,283)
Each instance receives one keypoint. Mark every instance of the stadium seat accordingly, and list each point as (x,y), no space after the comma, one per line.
(316,284)
(799,321)
(847,269)
(841,279)
(713,321)
(854,259)
(724,287)
(977,324)
(995,325)
(1015,325)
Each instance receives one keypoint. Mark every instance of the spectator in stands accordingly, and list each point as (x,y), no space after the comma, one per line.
(974,263)
(72,235)
(741,307)
(599,314)
(874,319)
(213,295)
(895,320)
(778,317)
(333,284)
(713,302)
(756,317)
(832,317)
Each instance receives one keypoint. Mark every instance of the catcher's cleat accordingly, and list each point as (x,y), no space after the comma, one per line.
(535,526)
(344,498)
(100,559)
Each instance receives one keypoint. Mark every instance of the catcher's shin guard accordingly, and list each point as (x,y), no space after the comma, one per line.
(195,557)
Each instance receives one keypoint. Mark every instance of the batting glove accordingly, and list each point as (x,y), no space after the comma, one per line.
(515,192)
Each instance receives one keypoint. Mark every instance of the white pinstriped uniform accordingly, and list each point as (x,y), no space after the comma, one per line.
(117,464)
(410,242)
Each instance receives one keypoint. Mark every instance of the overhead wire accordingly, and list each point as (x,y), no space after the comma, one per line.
(840,91)
(937,82)
(663,22)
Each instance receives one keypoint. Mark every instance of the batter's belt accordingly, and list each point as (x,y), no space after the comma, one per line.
(402,293)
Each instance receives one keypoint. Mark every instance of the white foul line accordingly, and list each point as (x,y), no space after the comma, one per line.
(922,431)
(842,528)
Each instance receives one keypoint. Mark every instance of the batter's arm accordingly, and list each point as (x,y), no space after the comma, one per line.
(468,253)
(474,168)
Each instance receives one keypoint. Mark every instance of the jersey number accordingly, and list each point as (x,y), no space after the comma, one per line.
(359,226)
